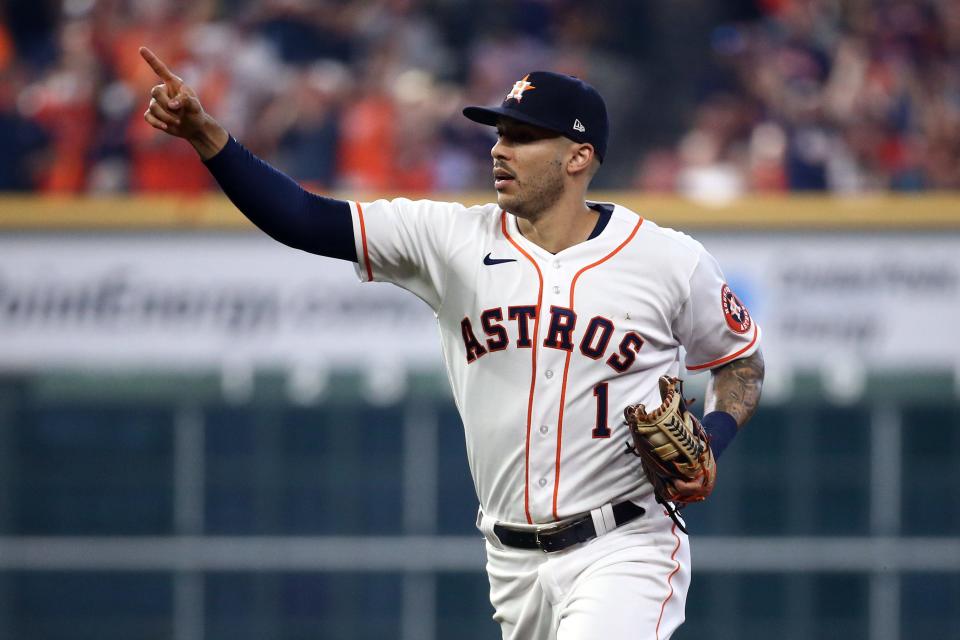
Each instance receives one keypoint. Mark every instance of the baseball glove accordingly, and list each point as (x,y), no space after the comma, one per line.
(673,446)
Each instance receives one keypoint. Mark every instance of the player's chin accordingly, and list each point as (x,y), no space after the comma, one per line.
(511,204)
(506,202)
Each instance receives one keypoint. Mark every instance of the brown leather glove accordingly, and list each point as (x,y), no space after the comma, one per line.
(673,446)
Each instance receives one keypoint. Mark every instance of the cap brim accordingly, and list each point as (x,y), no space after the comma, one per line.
(490,116)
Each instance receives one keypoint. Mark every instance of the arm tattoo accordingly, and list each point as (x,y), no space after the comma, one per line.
(735,388)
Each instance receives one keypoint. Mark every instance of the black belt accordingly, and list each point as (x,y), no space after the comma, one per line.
(556,539)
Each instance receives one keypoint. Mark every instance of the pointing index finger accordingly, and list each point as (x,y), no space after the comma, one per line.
(161,69)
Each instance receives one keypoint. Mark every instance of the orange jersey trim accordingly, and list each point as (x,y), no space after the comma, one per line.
(533,367)
(566,365)
(363,238)
(732,356)
(663,605)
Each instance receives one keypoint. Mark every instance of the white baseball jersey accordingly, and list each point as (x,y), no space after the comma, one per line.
(543,351)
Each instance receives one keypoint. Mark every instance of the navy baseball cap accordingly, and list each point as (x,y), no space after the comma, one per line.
(560,103)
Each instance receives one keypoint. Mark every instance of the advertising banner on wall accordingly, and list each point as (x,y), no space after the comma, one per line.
(187,301)
(177,300)
(876,300)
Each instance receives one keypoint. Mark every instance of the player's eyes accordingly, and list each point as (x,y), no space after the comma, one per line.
(519,138)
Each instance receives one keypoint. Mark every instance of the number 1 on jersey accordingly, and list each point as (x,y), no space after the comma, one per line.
(601,430)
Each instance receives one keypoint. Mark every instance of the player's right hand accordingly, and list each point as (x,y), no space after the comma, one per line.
(174,107)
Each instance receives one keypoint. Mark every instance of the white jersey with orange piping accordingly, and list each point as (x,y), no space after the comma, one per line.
(544,350)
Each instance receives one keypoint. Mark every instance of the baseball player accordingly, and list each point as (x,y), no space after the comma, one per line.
(555,313)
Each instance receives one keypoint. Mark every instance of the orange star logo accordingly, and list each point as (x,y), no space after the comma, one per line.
(519,87)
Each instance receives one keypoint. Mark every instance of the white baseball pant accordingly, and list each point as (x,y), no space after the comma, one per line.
(629,583)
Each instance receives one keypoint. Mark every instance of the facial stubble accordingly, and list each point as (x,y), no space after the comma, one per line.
(539,193)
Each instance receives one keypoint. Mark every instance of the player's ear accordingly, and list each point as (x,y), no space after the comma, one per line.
(581,158)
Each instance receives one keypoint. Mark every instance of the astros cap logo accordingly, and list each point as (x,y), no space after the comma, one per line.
(519,87)
(562,104)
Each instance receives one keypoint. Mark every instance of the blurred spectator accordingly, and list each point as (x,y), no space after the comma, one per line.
(300,125)
(658,172)
(367,141)
(714,150)
(31,26)
(6,48)
(63,101)
(22,140)
(158,163)
(303,31)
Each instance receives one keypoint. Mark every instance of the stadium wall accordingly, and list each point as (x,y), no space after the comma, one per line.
(174,468)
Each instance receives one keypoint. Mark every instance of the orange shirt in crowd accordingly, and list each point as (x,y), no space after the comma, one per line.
(367,143)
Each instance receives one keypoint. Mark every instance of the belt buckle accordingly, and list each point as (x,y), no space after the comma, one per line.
(550,530)
(536,539)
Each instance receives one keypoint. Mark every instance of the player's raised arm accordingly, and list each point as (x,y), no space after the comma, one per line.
(175,109)
(270,199)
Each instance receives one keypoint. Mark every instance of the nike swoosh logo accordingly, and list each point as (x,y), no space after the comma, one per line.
(487,260)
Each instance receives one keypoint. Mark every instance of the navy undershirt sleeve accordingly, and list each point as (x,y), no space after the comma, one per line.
(282,208)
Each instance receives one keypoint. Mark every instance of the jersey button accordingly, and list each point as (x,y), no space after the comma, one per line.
(542,482)
(548,374)
(556,265)
(544,429)
(556,289)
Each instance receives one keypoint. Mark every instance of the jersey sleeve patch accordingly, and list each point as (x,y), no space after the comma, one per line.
(734,311)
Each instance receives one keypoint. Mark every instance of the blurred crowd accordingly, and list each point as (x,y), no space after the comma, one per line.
(847,96)
(759,96)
